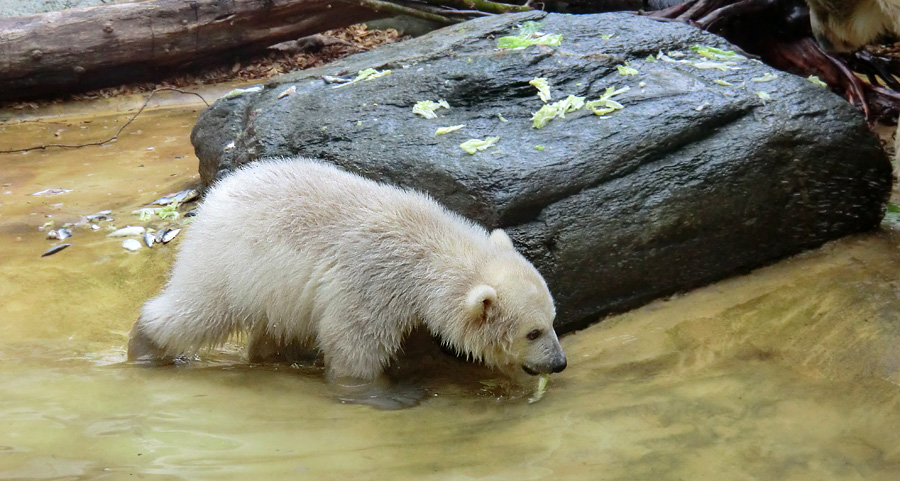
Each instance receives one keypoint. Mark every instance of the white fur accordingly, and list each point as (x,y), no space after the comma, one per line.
(296,251)
(500,239)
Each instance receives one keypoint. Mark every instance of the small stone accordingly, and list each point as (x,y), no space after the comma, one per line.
(131,244)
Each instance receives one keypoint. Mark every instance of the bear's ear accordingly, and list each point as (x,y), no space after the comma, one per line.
(500,239)
(479,299)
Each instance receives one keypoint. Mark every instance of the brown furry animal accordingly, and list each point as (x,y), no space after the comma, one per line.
(845,25)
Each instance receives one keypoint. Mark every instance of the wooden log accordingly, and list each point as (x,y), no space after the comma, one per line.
(80,49)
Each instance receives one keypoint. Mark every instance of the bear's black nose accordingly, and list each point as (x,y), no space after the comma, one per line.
(559,365)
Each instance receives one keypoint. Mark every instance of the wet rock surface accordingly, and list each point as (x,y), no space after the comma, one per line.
(710,169)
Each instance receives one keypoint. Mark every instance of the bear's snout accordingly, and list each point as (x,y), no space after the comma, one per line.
(557,364)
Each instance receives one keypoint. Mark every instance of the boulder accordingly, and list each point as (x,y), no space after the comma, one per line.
(712,167)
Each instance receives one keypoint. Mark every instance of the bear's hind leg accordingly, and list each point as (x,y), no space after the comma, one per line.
(172,327)
(142,349)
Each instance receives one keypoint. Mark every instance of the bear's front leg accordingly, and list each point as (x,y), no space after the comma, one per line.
(356,361)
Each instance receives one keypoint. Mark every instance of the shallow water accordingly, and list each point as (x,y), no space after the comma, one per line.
(791,372)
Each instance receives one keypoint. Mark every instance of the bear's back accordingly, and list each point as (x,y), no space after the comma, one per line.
(305,205)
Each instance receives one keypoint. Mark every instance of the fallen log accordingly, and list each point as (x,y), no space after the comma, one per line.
(92,47)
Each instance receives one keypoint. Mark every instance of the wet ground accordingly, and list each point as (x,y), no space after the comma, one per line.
(789,373)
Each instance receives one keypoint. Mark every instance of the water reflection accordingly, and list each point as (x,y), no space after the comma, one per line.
(791,372)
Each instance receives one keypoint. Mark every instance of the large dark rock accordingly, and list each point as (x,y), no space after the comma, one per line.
(691,182)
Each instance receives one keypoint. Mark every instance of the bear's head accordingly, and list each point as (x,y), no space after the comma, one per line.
(508,315)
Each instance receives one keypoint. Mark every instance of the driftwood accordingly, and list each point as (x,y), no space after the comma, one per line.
(85,48)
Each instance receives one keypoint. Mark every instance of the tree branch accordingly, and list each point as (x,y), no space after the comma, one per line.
(482,5)
(395,9)
(115,136)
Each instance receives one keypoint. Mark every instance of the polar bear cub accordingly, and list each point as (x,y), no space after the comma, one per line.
(295,252)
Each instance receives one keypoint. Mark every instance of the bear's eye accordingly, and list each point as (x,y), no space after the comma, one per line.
(534,334)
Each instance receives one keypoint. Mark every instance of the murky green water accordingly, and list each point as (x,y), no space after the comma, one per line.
(789,373)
